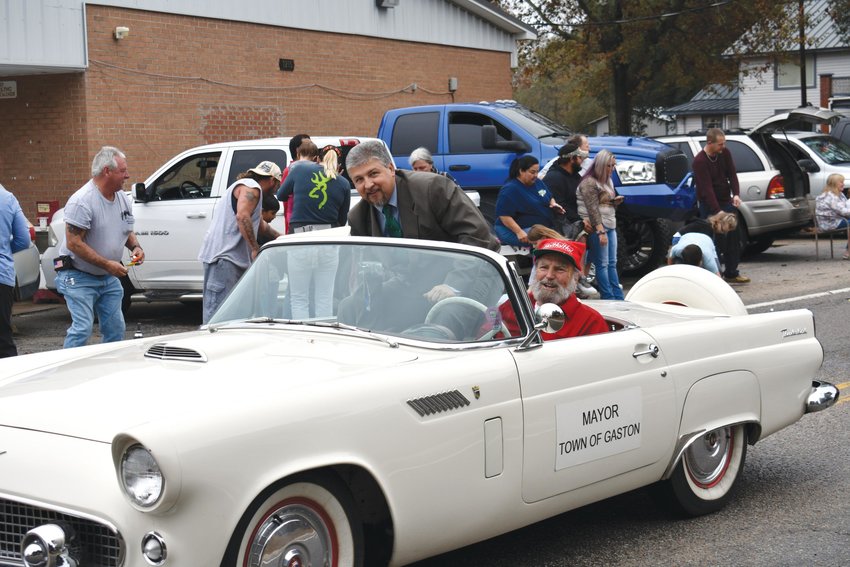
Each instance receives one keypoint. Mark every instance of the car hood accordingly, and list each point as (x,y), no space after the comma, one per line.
(95,392)
(807,114)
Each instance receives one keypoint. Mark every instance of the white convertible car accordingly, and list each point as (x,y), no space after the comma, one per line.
(390,429)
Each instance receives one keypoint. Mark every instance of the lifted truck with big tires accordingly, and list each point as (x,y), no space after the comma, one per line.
(476,144)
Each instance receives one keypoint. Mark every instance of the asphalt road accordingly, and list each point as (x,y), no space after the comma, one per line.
(790,507)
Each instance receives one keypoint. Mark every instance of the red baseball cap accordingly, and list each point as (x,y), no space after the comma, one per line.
(569,248)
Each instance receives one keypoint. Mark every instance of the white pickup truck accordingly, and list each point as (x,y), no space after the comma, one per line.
(173,209)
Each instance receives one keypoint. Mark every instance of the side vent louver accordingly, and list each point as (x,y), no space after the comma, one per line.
(438,403)
(165,351)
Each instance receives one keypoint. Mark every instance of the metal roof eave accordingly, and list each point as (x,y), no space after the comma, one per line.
(498,18)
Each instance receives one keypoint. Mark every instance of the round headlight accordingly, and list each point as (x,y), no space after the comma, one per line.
(141,478)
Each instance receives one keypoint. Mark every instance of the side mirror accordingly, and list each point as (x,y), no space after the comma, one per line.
(140,192)
(489,142)
(808,165)
(551,317)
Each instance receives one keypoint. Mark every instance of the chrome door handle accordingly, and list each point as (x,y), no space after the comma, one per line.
(651,350)
(196,215)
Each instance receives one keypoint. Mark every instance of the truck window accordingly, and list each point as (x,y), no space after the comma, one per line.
(465,133)
(243,160)
(189,178)
(413,131)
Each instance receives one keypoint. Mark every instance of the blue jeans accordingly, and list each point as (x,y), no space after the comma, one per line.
(507,237)
(87,295)
(219,278)
(605,259)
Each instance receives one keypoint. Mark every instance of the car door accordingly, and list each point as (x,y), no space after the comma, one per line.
(593,408)
(172,223)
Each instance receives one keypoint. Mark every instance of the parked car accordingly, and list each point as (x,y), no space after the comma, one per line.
(391,430)
(27,269)
(820,155)
(774,187)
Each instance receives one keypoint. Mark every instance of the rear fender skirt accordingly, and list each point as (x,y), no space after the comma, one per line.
(717,401)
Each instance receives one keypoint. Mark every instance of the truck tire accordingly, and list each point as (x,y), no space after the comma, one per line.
(642,245)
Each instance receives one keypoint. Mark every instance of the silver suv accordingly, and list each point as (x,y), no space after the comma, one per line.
(774,188)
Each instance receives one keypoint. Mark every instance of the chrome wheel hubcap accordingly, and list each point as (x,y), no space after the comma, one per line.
(708,457)
(294,535)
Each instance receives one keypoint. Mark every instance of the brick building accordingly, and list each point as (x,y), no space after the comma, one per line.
(69,83)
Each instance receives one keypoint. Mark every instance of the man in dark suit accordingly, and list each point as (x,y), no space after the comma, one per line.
(422,205)
(419,205)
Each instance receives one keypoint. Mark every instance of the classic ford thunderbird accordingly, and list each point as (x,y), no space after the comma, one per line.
(359,401)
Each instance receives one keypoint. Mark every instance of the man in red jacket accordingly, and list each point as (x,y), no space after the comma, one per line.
(556,273)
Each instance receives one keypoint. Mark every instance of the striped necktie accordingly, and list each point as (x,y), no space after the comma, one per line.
(392,228)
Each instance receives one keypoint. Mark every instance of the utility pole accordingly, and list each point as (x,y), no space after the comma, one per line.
(803,85)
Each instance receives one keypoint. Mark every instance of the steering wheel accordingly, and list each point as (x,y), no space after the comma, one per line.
(450,302)
(190,189)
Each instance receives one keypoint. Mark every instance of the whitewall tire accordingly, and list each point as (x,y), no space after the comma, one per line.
(311,520)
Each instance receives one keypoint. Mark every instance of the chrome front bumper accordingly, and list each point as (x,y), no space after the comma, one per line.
(822,396)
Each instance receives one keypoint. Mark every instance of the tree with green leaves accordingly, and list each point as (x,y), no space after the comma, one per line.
(631,57)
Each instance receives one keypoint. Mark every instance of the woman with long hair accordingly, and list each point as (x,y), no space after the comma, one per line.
(597,200)
(832,208)
(322,199)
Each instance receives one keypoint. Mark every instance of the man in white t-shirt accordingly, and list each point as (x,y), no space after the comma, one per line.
(98,225)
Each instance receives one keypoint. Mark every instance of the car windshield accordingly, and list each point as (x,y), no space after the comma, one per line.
(430,295)
(831,150)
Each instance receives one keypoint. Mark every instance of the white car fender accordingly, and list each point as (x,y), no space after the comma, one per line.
(717,401)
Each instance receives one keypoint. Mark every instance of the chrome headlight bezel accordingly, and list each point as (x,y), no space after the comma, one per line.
(141,478)
(633,172)
(163,454)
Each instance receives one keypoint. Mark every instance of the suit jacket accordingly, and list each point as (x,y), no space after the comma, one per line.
(431,207)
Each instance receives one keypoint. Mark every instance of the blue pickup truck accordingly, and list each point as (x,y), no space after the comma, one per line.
(476,143)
